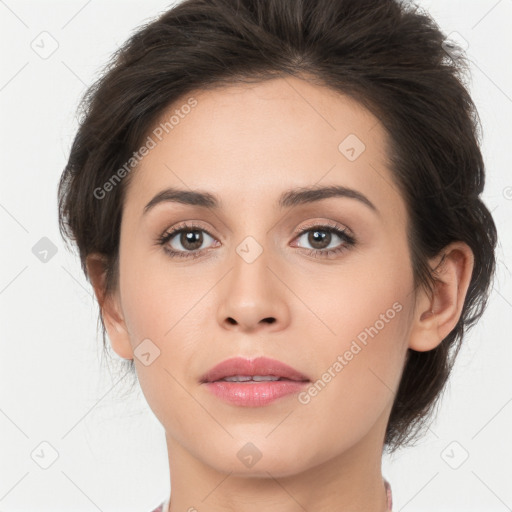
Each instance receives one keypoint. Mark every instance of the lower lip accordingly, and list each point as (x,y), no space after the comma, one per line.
(254,394)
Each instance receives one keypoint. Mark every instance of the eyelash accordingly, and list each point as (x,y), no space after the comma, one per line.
(349,240)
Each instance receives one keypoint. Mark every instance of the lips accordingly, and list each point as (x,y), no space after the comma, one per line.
(261,369)
(253,383)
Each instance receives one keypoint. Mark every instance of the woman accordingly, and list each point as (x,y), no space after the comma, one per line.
(278,206)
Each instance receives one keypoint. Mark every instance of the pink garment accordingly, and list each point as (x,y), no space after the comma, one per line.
(389,495)
(164,507)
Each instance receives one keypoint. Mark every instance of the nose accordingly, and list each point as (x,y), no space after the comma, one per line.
(253,297)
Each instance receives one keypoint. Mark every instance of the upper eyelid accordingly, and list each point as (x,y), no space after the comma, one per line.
(324,224)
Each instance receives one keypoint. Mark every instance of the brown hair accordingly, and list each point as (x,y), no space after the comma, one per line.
(388,55)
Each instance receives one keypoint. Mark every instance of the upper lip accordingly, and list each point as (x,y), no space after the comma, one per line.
(250,367)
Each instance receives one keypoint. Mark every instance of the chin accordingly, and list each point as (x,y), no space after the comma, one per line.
(246,460)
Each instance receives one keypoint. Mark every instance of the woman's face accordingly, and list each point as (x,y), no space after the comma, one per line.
(247,283)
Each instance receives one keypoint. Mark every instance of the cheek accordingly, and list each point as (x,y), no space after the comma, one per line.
(371,290)
(160,305)
(157,305)
(153,298)
(358,369)
(362,328)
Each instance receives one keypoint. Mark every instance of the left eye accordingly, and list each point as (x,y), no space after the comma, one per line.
(321,236)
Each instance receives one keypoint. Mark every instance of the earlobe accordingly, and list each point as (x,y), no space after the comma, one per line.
(110,308)
(437,314)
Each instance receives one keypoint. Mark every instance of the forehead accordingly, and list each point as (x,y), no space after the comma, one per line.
(249,142)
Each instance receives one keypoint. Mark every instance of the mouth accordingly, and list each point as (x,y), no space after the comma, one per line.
(253,383)
(252,378)
(261,369)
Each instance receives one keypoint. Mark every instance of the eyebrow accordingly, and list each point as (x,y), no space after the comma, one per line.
(288,199)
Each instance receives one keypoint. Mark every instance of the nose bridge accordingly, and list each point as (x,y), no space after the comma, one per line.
(251,294)
(250,274)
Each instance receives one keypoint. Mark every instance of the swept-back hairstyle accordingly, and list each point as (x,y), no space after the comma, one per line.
(388,55)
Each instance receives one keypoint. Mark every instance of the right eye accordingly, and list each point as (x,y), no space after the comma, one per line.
(190,238)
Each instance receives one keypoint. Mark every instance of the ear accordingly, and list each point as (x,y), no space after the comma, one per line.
(110,306)
(437,314)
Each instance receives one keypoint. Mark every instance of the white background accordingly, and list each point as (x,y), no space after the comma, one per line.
(54,386)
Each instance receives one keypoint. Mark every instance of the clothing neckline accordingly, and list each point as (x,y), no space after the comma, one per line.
(388,494)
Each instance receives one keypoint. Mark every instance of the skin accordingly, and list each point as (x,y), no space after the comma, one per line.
(324,455)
